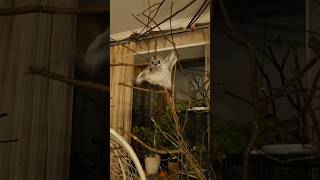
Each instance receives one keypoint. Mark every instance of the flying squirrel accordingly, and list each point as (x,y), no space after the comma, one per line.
(159,71)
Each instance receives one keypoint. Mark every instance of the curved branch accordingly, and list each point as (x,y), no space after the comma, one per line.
(141,89)
(78,83)
(166,151)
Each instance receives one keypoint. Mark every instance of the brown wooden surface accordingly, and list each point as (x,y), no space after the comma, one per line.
(38,110)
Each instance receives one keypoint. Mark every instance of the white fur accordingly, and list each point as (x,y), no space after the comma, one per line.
(161,76)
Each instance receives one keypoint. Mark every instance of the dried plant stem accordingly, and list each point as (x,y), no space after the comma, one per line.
(165,151)
(74,82)
(127,64)
(176,13)
(175,118)
(155,14)
(189,157)
(193,164)
(141,89)
(166,134)
(157,25)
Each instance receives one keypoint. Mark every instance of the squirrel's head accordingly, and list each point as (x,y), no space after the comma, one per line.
(155,63)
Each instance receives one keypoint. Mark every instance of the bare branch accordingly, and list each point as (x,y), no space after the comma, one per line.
(74,82)
(176,13)
(198,13)
(300,74)
(237,97)
(126,64)
(283,78)
(141,89)
(165,151)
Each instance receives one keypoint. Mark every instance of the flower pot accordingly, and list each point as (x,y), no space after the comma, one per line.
(152,164)
(173,167)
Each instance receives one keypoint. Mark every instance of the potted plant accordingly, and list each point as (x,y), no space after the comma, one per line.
(154,137)
(149,136)
(173,164)
(152,163)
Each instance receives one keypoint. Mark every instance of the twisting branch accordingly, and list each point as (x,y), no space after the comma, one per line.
(53,10)
(158,26)
(74,82)
(126,64)
(173,15)
(282,90)
(141,89)
(165,151)
(155,14)
(283,78)
(266,77)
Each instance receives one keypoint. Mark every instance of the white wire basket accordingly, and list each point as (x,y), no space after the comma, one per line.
(124,163)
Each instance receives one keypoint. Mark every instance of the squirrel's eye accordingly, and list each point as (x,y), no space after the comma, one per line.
(158,62)
(151,62)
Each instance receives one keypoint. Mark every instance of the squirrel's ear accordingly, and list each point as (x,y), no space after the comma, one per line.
(173,56)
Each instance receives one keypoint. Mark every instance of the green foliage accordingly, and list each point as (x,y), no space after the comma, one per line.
(152,136)
(145,133)
(181,106)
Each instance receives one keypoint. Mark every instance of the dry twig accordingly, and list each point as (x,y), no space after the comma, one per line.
(141,89)
(165,151)
(126,64)
(74,82)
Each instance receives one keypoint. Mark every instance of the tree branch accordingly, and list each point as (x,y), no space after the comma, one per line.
(166,151)
(176,13)
(74,82)
(141,89)
(126,64)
